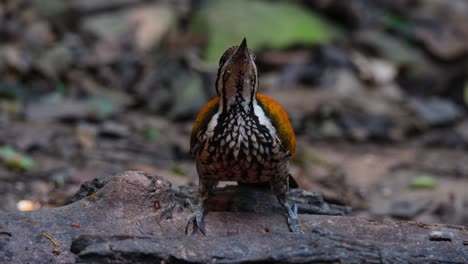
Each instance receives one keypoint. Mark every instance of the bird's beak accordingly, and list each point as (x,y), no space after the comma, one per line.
(242,52)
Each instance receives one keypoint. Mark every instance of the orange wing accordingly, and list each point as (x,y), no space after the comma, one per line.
(203,117)
(280,120)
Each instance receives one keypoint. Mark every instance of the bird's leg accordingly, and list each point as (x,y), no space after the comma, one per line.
(280,187)
(197,217)
(293,219)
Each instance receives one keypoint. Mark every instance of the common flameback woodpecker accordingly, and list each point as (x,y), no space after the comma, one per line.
(242,136)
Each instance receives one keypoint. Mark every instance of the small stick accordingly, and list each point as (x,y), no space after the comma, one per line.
(50,238)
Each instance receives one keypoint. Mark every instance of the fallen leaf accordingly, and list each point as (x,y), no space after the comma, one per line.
(265,24)
(15,160)
(423,182)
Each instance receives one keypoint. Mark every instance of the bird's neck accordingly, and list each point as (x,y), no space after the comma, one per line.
(238,104)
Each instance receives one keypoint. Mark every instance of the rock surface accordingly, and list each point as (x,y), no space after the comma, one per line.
(136,217)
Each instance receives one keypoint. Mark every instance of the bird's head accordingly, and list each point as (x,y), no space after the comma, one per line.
(237,79)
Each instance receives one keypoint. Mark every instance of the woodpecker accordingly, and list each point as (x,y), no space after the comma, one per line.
(241,136)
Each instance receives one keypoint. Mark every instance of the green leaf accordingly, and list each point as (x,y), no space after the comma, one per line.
(423,182)
(274,25)
(7,153)
(151,134)
(60,88)
(398,23)
(15,160)
(101,106)
(178,170)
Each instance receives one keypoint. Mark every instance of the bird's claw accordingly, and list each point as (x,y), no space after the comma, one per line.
(293,220)
(196,218)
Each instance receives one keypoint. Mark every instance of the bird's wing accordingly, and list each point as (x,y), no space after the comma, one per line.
(202,120)
(280,120)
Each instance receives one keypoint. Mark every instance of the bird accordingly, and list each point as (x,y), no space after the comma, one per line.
(242,136)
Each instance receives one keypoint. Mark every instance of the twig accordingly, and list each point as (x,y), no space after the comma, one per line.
(50,238)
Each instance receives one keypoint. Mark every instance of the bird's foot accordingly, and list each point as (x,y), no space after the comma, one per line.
(293,219)
(196,218)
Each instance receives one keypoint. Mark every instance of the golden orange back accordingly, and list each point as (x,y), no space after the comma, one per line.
(203,117)
(280,120)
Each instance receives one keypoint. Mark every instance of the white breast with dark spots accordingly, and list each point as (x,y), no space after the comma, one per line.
(242,145)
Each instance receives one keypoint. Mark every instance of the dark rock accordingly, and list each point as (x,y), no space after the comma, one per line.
(12,91)
(54,61)
(334,56)
(390,48)
(284,249)
(446,39)
(17,58)
(408,209)
(366,127)
(115,130)
(188,95)
(436,111)
(94,6)
(90,187)
(25,137)
(173,90)
(137,217)
(239,199)
(313,203)
(146,24)
(440,26)
(462,130)
(330,129)
(39,35)
(308,75)
(52,8)
(55,107)
(443,138)
(353,14)
(275,59)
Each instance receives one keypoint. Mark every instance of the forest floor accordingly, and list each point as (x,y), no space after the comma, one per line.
(94,88)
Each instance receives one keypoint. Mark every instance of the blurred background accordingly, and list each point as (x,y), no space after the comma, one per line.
(377,91)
